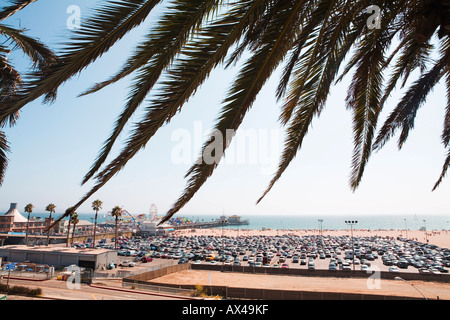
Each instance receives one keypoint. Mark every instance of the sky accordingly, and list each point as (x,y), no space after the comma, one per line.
(54,145)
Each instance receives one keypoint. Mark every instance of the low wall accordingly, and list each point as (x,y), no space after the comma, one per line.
(323,273)
(150,275)
(272,294)
(277,294)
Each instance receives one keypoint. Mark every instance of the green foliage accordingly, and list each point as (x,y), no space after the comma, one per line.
(20,291)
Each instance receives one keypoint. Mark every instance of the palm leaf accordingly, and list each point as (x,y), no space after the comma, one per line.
(186,75)
(41,56)
(4,149)
(98,34)
(163,45)
(16,6)
(275,43)
(404,114)
(314,76)
(363,98)
(445,134)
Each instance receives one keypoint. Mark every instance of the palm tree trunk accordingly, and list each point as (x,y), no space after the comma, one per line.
(26,233)
(115,238)
(48,232)
(73,232)
(68,234)
(95,228)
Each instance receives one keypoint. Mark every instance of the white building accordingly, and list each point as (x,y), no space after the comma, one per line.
(151,228)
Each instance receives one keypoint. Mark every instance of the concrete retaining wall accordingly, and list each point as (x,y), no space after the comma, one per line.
(323,273)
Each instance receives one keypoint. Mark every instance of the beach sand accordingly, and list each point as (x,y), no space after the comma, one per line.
(440,238)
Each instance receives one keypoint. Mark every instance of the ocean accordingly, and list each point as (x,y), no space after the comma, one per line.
(334,222)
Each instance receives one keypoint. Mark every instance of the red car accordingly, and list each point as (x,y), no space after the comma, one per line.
(146,259)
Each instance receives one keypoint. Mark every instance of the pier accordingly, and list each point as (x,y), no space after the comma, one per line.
(200,225)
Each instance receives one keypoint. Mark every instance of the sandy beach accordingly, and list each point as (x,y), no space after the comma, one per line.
(439,238)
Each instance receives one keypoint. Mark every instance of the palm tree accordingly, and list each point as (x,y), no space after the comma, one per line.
(96,206)
(50,208)
(28,209)
(315,42)
(69,213)
(117,213)
(74,220)
(10,79)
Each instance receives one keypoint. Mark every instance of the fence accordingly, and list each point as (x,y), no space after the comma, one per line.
(26,274)
(140,281)
(158,289)
(119,273)
(445,278)
(150,275)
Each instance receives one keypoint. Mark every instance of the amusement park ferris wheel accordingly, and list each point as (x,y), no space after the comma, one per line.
(153,212)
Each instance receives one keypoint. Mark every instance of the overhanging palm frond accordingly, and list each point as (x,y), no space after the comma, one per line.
(275,43)
(15,7)
(199,58)
(314,75)
(161,48)
(41,56)
(98,34)
(404,114)
(4,149)
(363,98)
(68,213)
(312,37)
(365,90)
(446,131)
(445,134)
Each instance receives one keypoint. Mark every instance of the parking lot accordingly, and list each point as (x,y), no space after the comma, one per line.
(288,251)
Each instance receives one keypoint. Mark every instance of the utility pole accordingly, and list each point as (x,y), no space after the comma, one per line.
(321,232)
(425,227)
(351,223)
(406,229)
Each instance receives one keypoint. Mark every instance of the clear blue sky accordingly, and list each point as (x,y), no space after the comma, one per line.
(53,146)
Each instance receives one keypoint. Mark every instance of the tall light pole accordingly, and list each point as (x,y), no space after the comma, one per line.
(406,229)
(425,227)
(351,223)
(398,278)
(320,222)
(224,220)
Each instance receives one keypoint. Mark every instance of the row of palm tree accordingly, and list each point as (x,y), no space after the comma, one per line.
(73,219)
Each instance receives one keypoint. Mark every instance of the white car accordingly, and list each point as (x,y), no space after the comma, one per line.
(394,269)
(127,263)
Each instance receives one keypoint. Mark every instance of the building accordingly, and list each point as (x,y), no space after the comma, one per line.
(82,226)
(13,222)
(151,228)
(59,257)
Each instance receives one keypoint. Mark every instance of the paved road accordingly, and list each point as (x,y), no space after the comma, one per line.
(59,290)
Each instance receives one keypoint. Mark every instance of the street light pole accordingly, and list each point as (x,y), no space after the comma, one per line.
(320,221)
(406,229)
(351,223)
(398,278)
(425,227)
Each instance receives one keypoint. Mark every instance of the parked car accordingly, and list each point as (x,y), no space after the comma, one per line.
(394,269)
(127,263)
(146,259)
